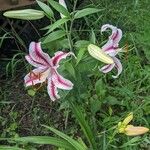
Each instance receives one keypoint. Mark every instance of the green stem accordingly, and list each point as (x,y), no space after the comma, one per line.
(69,31)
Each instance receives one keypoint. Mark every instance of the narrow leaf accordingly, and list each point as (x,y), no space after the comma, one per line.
(57,24)
(84,125)
(3,147)
(46,140)
(85,12)
(46,9)
(54,36)
(93,37)
(59,8)
(74,143)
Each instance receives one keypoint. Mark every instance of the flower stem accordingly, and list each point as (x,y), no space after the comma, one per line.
(69,30)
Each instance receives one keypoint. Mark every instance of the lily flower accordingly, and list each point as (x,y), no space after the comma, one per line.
(130,130)
(46,70)
(108,51)
(111,48)
(62,2)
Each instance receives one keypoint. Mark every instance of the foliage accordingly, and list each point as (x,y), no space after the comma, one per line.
(97,101)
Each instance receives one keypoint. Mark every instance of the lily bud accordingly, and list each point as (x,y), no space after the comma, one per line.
(25,14)
(99,54)
(128,119)
(131,130)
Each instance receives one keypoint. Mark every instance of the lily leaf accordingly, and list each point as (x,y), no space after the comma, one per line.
(85,12)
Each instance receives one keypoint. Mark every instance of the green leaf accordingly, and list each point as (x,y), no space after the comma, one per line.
(84,125)
(70,69)
(46,140)
(46,9)
(9,148)
(59,8)
(57,24)
(31,92)
(81,46)
(54,36)
(73,142)
(80,55)
(93,37)
(25,14)
(131,142)
(85,12)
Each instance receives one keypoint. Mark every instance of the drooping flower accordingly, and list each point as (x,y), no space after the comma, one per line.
(62,2)
(46,70)
(111,49)
(130,130)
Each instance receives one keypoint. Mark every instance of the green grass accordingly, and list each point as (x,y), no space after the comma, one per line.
(103,101)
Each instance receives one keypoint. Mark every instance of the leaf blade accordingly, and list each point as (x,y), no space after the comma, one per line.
(85,12)
(54,36)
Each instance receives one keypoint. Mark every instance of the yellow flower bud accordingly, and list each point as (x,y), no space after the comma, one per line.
(131,130)
(99,54)
(128,119)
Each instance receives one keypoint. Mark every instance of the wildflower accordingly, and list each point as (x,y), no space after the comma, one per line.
(46,70)
(62,2)
(130,130)
(112,48)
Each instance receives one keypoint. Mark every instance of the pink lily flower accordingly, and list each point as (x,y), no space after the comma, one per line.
(46,70)
(111,48)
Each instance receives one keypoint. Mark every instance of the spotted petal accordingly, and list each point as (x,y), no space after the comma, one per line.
(52,90)
(61,82)
(118,66)
(59,56)
(36,76)
(37,55)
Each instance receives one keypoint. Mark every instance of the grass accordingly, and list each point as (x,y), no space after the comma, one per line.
(103,101)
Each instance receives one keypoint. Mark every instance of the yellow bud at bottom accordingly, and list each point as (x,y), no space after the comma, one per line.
(131,130)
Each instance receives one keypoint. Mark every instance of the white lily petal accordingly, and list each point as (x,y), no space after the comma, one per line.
(118,66)
(117,38)
(59,56)
(52,90)
(107,68)
(36,76)
(113,28)
(38,55)
(61,82)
